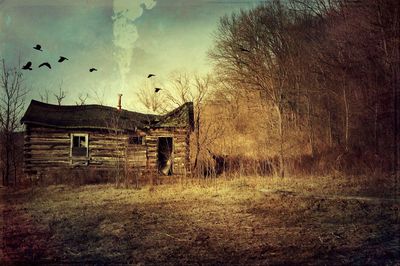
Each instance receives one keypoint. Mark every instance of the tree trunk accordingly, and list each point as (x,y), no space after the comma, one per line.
(7,162)
(396,99)
(346,119)
(396,130)
(3,176)
(330,129)
(311,127)
(376,136)
(197,134)
(280,128)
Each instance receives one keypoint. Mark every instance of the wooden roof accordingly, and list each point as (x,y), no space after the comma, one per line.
(103,117)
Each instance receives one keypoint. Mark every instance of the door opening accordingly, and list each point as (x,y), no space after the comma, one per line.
(165,155)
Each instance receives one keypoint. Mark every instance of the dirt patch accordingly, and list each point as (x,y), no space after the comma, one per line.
(229,222)
(24,239)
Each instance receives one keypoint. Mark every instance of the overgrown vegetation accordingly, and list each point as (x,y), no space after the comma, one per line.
(240,221)
(311,78)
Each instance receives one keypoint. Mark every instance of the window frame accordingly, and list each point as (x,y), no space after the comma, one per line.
(141,138)
(86,135)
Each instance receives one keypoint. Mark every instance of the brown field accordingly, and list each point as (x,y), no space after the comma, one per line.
(324,221)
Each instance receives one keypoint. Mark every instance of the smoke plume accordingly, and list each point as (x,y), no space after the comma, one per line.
(125,31)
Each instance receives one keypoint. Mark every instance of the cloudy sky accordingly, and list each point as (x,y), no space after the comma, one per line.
(124,39)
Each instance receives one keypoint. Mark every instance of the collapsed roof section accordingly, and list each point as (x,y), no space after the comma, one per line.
(104,117)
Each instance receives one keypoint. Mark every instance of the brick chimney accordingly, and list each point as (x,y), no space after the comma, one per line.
(119,102)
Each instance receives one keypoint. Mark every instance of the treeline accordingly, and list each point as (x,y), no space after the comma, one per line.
(12,94)
(311,84)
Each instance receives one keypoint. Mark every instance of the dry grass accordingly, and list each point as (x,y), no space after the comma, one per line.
(239,221)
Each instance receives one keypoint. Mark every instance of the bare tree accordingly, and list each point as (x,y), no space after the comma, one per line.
(119,142)
(60,95)
(98,95)
(181,89)
(255,50)
(152,101)
(82,99)
(45,96)
(185,88)
(329,70)
(11,108)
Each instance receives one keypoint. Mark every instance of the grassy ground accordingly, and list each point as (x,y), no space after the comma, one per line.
(255,220)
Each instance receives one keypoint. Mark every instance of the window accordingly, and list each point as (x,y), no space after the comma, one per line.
(79,145)
(136,140)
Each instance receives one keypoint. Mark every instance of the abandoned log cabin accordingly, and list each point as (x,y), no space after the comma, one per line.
(105,138)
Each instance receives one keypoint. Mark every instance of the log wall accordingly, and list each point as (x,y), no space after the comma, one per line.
(181,148)
(47,149)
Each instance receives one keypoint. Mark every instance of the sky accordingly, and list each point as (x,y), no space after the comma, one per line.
(124,39)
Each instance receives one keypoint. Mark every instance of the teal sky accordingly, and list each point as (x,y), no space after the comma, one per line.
(124,39)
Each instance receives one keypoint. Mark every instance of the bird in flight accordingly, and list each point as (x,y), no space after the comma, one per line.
(151,75)
(92,69)
(62,59)
(38,47)
(45,64)
(27,66)
(157,90)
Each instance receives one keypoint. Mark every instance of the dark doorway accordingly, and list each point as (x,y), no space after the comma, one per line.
(165,156)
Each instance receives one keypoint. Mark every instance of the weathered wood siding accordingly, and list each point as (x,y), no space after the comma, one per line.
(47,149)
(181,150)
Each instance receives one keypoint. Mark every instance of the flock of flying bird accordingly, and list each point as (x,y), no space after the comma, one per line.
(28,65)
